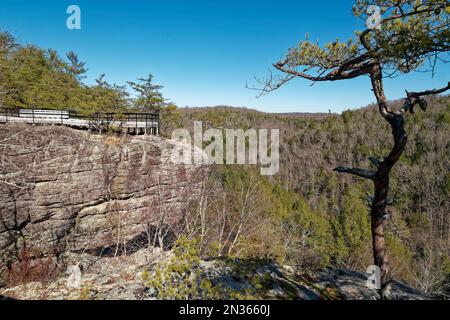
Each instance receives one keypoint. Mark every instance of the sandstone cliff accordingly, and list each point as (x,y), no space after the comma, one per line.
(63,190)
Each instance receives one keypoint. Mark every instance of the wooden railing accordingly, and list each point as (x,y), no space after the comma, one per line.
(128,122)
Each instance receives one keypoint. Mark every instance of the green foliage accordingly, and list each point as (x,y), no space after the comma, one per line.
(312,217)
(107,97)
(446,185)
(315,233)
(176,279)
(351,229)
(291,231)
(149,97)
(401,257)
(444,117)
(85,293)
(181,278)
(170,119)
(296,233)
(406,42)
(354,219)
(33,77)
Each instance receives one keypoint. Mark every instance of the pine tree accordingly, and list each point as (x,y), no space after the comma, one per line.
(149,97)
(76,68)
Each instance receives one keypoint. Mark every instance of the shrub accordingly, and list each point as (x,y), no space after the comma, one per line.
(31,267)
(176,279)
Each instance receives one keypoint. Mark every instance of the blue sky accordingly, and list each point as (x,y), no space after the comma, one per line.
(204,52)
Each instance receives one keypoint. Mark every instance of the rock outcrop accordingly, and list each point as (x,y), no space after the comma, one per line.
(123,278)
(64,190)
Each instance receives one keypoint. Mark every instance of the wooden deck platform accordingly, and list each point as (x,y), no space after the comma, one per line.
(131,123)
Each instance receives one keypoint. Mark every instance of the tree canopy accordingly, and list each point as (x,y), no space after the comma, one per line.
(34,77)
(149,95)
(413,35)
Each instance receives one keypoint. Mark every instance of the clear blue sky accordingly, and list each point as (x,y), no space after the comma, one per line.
(203,52)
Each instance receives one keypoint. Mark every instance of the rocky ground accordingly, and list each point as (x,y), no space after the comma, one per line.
(127,278)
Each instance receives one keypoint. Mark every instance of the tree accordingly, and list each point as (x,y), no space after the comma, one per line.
(149,97)
(7,43)
(76,68)
(171,119)
(33,77)
(106,97)
(407,35)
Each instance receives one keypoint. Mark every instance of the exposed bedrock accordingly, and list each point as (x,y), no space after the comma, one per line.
(68,190)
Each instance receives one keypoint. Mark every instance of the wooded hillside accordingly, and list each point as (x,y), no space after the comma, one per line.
(311,216)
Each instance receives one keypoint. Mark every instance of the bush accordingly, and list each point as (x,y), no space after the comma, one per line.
(31,267)
(176,279)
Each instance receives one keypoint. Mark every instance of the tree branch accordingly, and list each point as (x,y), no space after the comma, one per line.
(334,75)
(414,98)
(376,161)
(362,173)
(428,92)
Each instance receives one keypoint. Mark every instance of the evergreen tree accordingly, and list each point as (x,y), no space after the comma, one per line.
(149,97)
(76,67)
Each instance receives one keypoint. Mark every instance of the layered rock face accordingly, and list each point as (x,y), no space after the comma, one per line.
(66,190)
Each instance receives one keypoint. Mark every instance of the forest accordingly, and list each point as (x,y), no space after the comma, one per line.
(35,77)
(310,216)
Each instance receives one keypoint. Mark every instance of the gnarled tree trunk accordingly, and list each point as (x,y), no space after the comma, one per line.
(380,176)
(381,179)
(379,205)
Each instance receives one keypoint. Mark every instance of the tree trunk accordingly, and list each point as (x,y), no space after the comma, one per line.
(381,179)
(378,218)
(379,205)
